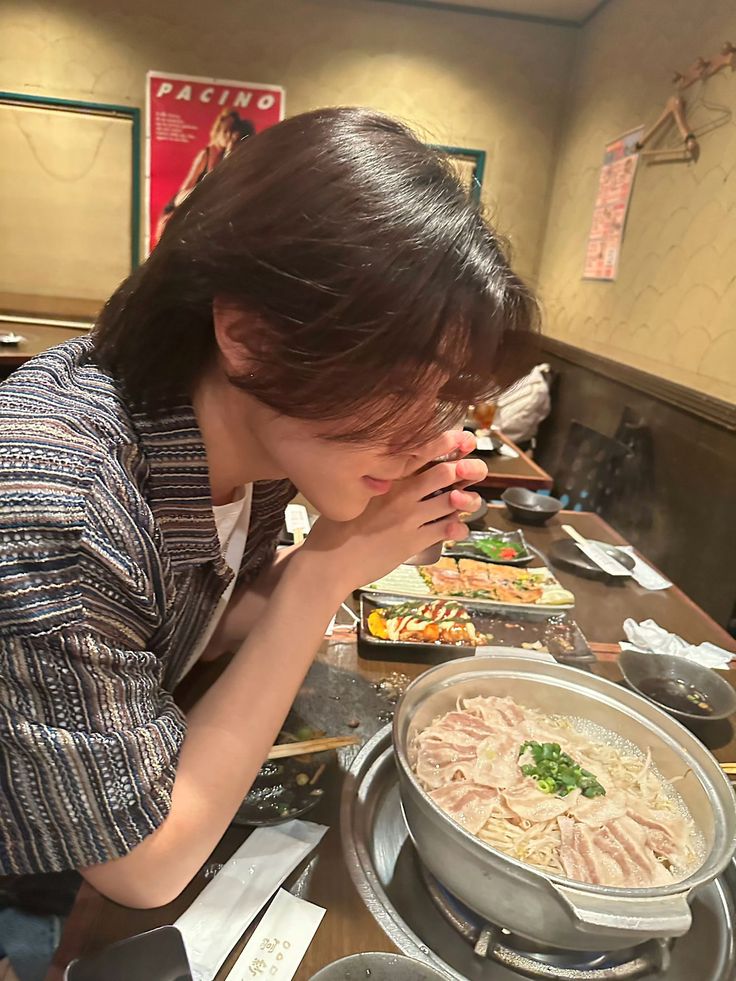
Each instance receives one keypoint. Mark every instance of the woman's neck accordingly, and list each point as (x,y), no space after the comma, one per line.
(227,419)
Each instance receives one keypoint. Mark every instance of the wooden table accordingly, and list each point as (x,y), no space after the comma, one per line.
(348,926)
(600,607)
(38,338)
(509,471)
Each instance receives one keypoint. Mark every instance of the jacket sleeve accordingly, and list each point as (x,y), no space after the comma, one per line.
(89,737)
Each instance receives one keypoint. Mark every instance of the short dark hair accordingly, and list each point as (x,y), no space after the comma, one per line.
(243,127)
(370,275)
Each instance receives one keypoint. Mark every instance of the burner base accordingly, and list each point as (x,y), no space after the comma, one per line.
(497,944)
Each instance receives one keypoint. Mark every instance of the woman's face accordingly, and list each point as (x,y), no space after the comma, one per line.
(339,478)
(223,134)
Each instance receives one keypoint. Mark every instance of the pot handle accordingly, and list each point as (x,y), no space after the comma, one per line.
(650,916)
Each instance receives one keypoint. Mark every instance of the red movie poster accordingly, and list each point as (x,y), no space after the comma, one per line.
(191,125)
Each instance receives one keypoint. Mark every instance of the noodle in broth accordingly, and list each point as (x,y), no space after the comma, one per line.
(636,833)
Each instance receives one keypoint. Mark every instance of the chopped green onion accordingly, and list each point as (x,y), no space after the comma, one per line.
(557,773)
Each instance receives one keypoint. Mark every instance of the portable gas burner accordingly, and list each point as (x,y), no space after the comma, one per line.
(427,922)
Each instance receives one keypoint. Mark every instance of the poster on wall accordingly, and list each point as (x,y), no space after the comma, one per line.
(611,206)
(191,125)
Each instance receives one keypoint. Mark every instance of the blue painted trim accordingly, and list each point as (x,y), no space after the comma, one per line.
(102,109)
(480,164)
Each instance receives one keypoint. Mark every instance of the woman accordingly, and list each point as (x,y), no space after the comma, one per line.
(227,129)
(317,315)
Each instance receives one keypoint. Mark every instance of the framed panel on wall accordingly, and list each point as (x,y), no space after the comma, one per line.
(69,205)
(470,166)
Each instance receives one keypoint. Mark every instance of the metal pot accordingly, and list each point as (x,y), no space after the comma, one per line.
(551,909)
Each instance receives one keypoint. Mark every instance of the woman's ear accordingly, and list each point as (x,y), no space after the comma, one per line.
(231,333)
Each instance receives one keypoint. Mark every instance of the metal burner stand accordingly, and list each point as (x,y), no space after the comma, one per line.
(427,923)
(487,941)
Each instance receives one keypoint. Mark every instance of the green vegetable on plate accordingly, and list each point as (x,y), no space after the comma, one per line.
(498,548)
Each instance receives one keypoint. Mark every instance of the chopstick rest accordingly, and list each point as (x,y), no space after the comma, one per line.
(280,940)
(219,916)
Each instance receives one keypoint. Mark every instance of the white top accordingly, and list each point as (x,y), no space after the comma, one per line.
(231,521)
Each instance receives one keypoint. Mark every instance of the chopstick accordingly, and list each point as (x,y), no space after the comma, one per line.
(728,767)
(574,534)
(599,556)
(284,750)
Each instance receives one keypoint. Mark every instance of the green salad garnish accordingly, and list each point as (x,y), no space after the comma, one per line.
(498,548)
(556,772)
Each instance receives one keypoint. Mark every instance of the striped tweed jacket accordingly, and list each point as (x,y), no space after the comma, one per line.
(110,567)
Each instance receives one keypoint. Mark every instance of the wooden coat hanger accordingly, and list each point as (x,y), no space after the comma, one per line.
(675,109)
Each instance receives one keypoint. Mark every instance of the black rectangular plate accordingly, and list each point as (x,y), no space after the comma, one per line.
(558,632)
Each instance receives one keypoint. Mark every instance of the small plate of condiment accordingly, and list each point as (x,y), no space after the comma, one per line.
(681,687)
(500,547)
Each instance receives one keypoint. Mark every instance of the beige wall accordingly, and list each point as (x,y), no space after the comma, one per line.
(464,80)
(672,310)
(484,82)
(65,183)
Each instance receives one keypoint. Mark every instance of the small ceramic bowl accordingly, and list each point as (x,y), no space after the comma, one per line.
(378,967)
(530,508)
(675,683)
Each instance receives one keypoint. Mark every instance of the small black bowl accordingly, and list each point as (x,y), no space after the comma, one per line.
(670,682)
(528,507)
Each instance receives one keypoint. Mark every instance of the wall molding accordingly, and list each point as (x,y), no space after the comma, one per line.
(699,404)
(457,8)
(593,13)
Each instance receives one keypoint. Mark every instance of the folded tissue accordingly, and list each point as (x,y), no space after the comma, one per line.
(648,636)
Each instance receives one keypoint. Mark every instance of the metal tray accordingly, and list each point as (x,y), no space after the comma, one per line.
(507,627)
(466,549)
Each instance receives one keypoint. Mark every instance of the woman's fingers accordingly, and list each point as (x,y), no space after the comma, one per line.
(456,530)
(462,500)
(444,505)
(447,528)
(471,471)
(456,444)
(444,475)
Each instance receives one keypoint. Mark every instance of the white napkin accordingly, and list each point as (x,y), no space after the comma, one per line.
(643,573)
(219,916)
(280,940)
(649,637)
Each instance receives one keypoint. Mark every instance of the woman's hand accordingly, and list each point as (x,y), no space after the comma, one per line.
(402,523)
